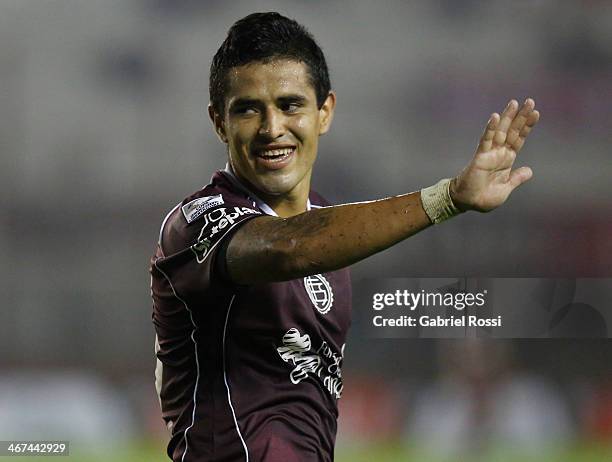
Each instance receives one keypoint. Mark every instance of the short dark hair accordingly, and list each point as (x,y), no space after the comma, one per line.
(265,37)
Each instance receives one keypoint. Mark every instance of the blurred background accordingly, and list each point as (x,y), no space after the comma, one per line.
(103,129)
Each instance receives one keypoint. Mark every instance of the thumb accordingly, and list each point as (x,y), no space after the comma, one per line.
(520,176)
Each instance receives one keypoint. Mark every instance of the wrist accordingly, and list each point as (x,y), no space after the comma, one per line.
(438,203)
(452,191)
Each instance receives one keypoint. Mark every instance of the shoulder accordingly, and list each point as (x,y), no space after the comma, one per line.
(217,205)
(317,200)
(220,192)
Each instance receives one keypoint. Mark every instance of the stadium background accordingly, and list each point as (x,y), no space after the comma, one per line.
(103,128)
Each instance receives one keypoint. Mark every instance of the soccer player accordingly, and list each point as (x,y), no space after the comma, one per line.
(251,291)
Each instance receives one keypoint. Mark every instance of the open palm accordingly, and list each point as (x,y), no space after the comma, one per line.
(488,179)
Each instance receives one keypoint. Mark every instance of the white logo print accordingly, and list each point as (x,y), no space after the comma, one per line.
(221,218)
(324,363)
(320,292)
(200,249)
(215,222)
(194,209)
(294,349)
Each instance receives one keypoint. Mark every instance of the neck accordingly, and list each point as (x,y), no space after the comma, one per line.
(287,206)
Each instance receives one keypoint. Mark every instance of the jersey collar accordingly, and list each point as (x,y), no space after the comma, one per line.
(258,202)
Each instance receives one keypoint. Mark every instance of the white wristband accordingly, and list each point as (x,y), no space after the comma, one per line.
(437,202)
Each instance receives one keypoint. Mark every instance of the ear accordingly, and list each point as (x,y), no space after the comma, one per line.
(326,113)
(218,123)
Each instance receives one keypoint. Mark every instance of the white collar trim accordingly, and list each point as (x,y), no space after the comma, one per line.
(256,200)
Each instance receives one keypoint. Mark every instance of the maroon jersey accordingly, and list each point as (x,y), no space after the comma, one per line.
(245,373)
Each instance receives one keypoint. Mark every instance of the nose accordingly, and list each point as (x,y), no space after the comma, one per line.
(272,124)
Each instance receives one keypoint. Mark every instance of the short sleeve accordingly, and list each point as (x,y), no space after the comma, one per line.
(191,239)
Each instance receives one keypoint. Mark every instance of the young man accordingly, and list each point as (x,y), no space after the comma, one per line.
(251,292)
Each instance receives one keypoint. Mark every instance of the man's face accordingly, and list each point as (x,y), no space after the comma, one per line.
(272,125)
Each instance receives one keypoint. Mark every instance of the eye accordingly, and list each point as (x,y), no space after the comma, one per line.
(244,110)
(290,107)
(247,110)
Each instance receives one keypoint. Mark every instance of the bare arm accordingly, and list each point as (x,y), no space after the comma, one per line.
(274,249)
(271,249)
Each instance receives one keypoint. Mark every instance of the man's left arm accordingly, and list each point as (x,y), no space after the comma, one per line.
(269,249)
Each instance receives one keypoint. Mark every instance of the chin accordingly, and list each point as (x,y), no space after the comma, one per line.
(276,186)
(274,190)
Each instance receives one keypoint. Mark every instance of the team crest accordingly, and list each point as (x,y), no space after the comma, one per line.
(320,292)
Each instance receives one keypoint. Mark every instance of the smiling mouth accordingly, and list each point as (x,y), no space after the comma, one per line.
(275,155)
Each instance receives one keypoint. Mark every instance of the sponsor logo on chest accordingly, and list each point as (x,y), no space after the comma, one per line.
(322,362)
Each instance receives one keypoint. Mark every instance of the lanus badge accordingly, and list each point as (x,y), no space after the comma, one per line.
(320,292)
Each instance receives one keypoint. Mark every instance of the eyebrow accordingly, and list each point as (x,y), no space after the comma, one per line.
(243,102)
(291,98)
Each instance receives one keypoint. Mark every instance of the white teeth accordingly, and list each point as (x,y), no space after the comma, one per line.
(276,152)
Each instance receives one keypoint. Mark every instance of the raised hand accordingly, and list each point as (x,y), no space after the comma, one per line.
(487,181)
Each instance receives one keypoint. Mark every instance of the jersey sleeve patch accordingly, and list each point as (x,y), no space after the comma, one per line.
(194,209)
(215,225)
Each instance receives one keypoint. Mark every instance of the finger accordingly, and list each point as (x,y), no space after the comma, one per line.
(520,176)
(504,124)
(486,141)
(519,121)
(532,120)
